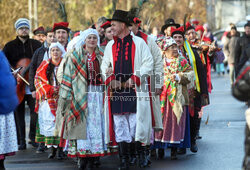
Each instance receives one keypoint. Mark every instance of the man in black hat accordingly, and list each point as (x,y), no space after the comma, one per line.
(166,29)
(128,113)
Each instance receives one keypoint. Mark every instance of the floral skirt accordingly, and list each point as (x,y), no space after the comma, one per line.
(8,136)
(94,145)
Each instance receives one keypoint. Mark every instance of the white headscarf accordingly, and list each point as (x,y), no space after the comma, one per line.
(80,40)
(57,44)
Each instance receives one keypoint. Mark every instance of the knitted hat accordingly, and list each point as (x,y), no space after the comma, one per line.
(165,42)
(22,22)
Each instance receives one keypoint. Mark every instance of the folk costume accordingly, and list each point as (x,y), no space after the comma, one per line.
(198,96)
(207,59)
(106,40)
(173,99)
(205,56)
(8,102)
(156,81)
(81,102)
(127,111)
(46,100)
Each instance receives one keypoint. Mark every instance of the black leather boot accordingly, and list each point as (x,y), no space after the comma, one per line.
(181,151)
(194,147)
(161,153)
(198,125)
(53,153)
(90,163)
(141,158)
(82,163)
(148,155)
(153,152)
(124,155)
(132,160)
(144,157)
(97,161)
(41,148)
(2,164)
(60,153)
(173,153)
(22,145)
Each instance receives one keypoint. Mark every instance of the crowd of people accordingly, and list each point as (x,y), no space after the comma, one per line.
(111,89)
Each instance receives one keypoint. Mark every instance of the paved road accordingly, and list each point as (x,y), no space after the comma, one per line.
(221,147)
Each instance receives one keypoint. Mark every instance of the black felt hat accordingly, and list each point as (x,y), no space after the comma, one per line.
(120,15)
(169,22)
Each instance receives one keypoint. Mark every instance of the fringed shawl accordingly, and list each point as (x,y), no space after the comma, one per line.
(172,90)
(73,89)
(45,91)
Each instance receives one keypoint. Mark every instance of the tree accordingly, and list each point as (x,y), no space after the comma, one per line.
(82,13)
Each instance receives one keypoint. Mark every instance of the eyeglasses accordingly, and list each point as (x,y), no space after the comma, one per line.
(24,28)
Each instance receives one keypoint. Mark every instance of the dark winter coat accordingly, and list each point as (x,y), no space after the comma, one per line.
(35,63)
(16,50)
(241,45)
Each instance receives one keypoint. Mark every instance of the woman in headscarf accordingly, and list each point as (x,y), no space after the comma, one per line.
(81,101)
(47,89)
(177,77)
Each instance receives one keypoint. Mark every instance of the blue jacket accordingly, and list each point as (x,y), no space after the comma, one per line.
(8,96)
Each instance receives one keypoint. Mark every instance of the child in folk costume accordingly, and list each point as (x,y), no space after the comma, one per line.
(177,76)
(81,101)
(8,102)
(47,89)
